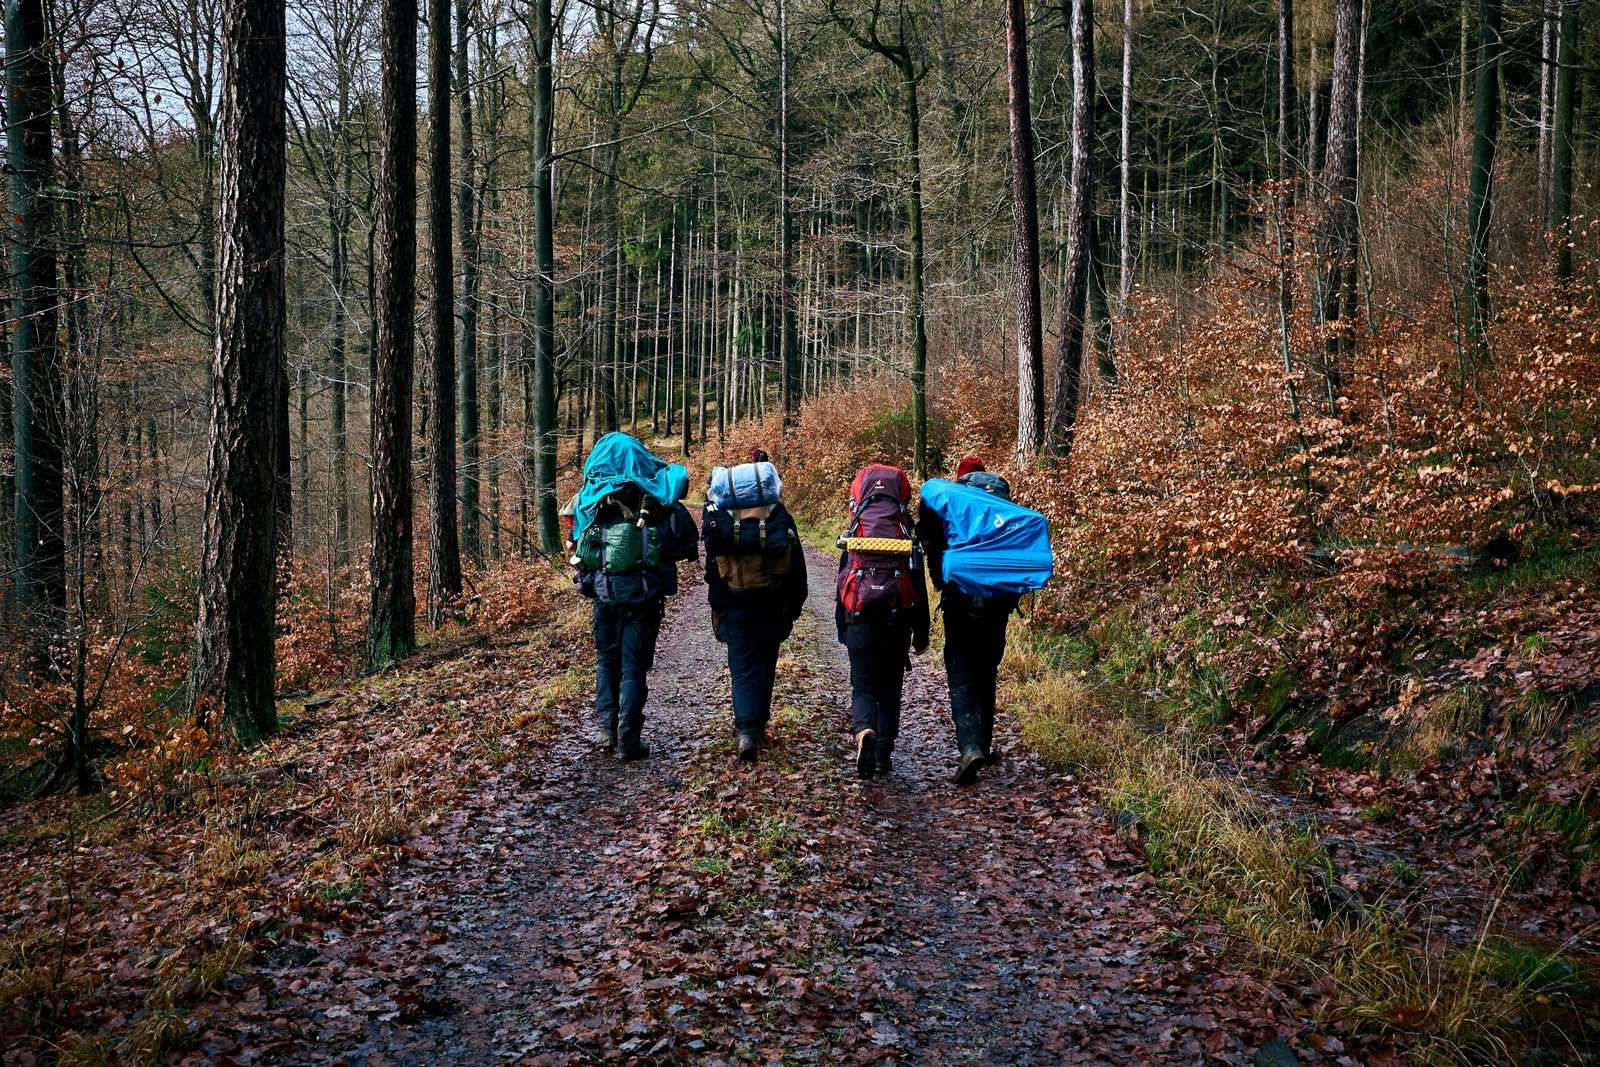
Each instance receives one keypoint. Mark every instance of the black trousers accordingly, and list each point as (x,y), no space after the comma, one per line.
(973,647)
(879,655)
(753,634)
(624,651)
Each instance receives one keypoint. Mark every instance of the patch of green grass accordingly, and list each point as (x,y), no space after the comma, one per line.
(1548,564)
(349,889)
(1381,812)
(713,864)
(1344,758)
(1526,966)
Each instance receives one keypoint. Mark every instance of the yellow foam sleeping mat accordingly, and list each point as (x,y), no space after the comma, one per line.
(895,545)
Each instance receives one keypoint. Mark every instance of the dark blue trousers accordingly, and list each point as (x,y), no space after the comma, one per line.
(753,635)
(624,651)
(974,644)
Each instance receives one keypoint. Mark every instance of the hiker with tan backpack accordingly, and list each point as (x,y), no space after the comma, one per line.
(881,609)
(756,583)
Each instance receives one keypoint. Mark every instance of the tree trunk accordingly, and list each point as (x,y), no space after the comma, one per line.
(1287,149)
(1480,193)
(38,416)
(233,667)
(1125,206)
(919,325)
(1025,240)
(338,370)
(1561,139)
(467,222)
(544,256)
(444,544)
(789,342)
(1336,232)
(1080,236)
(392,626)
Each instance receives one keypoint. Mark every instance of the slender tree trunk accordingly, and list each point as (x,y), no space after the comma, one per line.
(444,544)
(789,342)
(233,667)
(392,628)
(467,222)
(1080,237)
(1336,233)
(544,312)
(338,372)
(919,326)
(1025,240)
(1480,192)
(1561,138)
(1125,206)
(1285,200)
(1547,56)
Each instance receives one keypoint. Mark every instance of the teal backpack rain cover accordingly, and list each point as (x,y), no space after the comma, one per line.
(996,547)
(618,460)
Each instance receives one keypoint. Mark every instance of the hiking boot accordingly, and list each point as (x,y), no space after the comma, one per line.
(637,752)
(971,761)
(884,759)
(867,753)
(749,747)
(603,736)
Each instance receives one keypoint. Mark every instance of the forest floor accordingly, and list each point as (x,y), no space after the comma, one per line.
(448,872)
(575,908)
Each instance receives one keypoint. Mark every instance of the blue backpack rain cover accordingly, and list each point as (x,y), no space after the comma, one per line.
(748,485)
(995,546)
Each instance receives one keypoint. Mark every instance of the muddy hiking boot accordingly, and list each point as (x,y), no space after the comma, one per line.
(867,753)
(749,746)
(638,751)
(884,760)
(971,762)
(603,736)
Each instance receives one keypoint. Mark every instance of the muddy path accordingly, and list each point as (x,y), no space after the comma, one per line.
(686,909)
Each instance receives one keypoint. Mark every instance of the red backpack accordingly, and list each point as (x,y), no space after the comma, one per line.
(880,550)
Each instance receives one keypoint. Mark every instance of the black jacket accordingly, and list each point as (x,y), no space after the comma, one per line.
(917,617)
(788,598)
(935,539)
(680,540)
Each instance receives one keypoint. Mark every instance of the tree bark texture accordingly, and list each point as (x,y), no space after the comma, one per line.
(1025,239)
(444,543)
(1480,182)
(1336,231)
(392,625)
(544,331)
(233,669)
(469,480)
(38,418)
(1080,235)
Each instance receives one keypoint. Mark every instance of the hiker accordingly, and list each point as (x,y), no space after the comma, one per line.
(1011,545)
(756,583)
(881,609)
(629,532)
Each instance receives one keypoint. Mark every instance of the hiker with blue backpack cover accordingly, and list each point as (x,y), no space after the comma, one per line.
(983,553)
(629,532)
(756,584)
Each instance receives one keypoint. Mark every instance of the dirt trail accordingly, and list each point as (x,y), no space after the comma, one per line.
(688,910)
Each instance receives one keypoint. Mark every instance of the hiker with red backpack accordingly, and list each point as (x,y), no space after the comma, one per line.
(881,609)
(983,553)
(629,532)
(756,583)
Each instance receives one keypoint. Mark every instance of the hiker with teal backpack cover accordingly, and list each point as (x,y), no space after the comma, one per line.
(629,532)
(984,552)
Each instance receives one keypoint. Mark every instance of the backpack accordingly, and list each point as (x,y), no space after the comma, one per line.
(881,553)
(748,485)
(622,547)
(988,481)
(754,546)
(996,548)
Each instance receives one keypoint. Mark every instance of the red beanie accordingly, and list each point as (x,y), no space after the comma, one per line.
(968,465)
(759,455)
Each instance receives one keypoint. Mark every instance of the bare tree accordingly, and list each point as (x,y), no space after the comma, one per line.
(1336,231)
(234,663)
(1025,242)
(392,625)
(444,541)
(1080,237)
